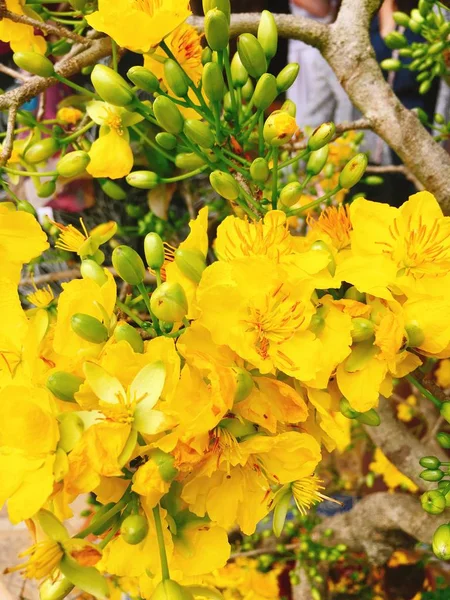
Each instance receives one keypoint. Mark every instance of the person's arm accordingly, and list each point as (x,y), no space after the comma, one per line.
(317,8)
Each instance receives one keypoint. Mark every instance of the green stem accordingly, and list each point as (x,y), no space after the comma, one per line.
(236,157)
(114,54)
(251,200)
(158,277)
(299,211)
(124,308)
(217,123)
(75,86)
(185,175)
(152,144)
(294,159)
(77,134)
(234,108)
(230,163)
(275,178)
(29,173)
(260,134)
(143,291)
(162,547)
(105,541)
(423,390)
(105,518)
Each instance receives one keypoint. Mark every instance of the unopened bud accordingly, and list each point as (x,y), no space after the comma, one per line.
(168,115)
(143,79)
(259,170)
(134,529)
(199,132)
(441,542)
(445,411)
(401,18)
(247,90)
(370,417)
(238,427)
(239,73)
(280,512)
(111,87)
(112,189)
(191,263)
(431,475)
(71,429)
(244,384)
(347,410)
(64,385)
(188,161)
(291,194)
(128,264)
(154,250)
(362,329)
(279,128)
(252,55)
(165,463)
(166,140)
(176,78)
(89,328)
(353,171)
(206,55)
(170,590)
(317,160)
(287,76)
(391,64)
(322,136)
(353,294)
(143,180)
(289,107)
(443,439)
(90,269)
(34,63)
(395,40)
(223,5)
(213,83)
(414,334)
(25,206)
(224,184)
(216,29)
(46,189)
(127,333)
(41,151)
(268,34)
(169,303)
(55,589)
(265,92)
(430,462)
(73,163)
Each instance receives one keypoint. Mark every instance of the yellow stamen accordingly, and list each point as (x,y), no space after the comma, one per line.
(44,557)
(70,238)
(149,6)
(306,492)
(42,297)
(335,222)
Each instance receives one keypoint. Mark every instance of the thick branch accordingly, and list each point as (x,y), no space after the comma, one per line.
(45,26)
(377,524)
(400,446)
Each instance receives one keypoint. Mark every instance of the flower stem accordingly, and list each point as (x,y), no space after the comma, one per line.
(105,518)
(184,175)
(161,544)
(299,211)
(124,308)
(423,390)
(114,54)
(77,134)
(292,160)
(143,291)
(75,86)
(29,173)
(275,178)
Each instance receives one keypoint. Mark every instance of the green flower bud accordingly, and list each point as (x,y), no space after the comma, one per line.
(52,589)
(239,73)
(154,250)
(279,128)
(216,29)
(391,64)
(317,324)
(252,55)
(317,160)
(176,78)
(213,83)
(164,462)
(206,55)
(71,429)
(169,303)
(430,462)
(34,63)
(353,171)
(441,542)
(395,40)
(223,5)
(188,161)
(41,151)
(168,115)
(143,180)
(431,475)
(89,328)
(401,18)
(370,417)
(224,184)
(126,332)
(443,439)
(373,180)
(265,92)
(25,206)
(416,16)
(128,264)
(64,385)
(46,189)
(425,86)
(259,170)
(282,506)
(237,427)
(445,411)
(290,194)
(321,136)
(166,140)
(362,329)
(244,384)
(111,87)
(191,263)
(414,334)
(91,270)
(199,132)
(289,107)
(170,590)
(424,7)
(134,529)
(405,52)
(73,163)
(112,189)
(268,34)
(347,410)
(247,90)
(143,79)
(227,104)
(287,76)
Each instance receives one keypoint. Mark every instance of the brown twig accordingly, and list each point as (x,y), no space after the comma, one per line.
(14,74)
(44,26)
(68,274)
(9,138)
(264,550)
(341,128)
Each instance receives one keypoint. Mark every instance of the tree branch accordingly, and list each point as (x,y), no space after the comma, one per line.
(359,124)
(14,74)
(9,138)
(45,26)
(378,524)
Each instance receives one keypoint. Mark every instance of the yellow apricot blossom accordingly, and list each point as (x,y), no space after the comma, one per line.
(391,475)
(21,37)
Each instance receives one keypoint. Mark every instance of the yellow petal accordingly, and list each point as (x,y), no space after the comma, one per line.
(111,156)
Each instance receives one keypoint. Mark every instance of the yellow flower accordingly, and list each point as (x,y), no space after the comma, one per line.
(69,115)
(307,492)
(148,482)
(43,559)
(41,297)
(21,240)
(27,449)
(335,223)
(71,239)
(111,154)
(406,409)
(391,475)
(443,373)
(139,24)
(335,427)
(21,37)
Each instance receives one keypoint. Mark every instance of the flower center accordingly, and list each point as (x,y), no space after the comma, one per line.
(149,6)
(335,222)
(114,122)
(256,239)
(70,238)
